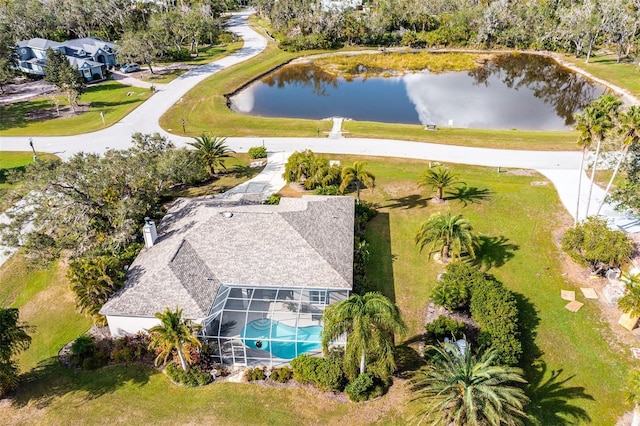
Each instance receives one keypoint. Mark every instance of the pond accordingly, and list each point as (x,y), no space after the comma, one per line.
(510,91)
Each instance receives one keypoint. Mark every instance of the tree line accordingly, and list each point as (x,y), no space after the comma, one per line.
(571,26)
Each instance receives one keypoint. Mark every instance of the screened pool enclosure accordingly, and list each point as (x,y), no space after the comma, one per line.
(266,325)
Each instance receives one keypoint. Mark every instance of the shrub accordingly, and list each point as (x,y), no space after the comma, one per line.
(325,373)
(304,368)
(443,327)
(130,349)
(191,378)
(258,373)
(281,375)
(360,388)
(98,360)
(451,295)
(363,214)
(329,375)
(274,199)
(593,244)
(495,309)
(327,190)
(257,152)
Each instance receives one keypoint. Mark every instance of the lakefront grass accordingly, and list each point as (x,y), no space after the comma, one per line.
(575,374)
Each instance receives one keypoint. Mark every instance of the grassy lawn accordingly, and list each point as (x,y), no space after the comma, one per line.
(571,367)
(108,97)
(13,160)
(604,66)
(208,54)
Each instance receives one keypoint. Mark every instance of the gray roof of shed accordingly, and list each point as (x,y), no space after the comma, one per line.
(303,242)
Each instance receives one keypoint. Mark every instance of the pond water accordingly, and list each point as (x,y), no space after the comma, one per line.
(509,92)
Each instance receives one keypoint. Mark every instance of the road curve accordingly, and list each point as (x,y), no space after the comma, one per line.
(562,168)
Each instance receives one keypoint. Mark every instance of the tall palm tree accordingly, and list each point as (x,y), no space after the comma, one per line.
(369,322)
(439,178)
(464,389)
(633,395)
(585,123)
(213,151)
(605,111)
(630,302)
(451,235)
(358,174)
(630,134)
(173,333)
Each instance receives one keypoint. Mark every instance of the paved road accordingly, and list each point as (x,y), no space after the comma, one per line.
(562,168)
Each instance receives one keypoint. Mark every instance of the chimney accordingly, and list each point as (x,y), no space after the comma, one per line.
(149,232)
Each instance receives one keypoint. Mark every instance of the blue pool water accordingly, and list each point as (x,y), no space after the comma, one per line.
(255,335)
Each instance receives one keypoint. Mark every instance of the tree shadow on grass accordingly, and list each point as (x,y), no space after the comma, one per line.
(408,359)
(552,397)
(469,195)
(493,251)
(408,202)
(240,171)
(49,380)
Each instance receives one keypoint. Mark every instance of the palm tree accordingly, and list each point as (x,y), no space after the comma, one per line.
(358,174)
(605,109)
(630,133)
(633,395)
(448,234)
(173,333)
(630,302)
(13,340)
(213,151)
(585,127)
(439,179)
(369,322)
(463,389)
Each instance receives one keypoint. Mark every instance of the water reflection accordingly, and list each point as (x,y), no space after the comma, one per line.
(510,91)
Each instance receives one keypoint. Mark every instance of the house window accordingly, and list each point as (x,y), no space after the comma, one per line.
(318,297)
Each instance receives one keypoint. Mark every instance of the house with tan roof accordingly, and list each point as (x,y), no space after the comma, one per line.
(257,277)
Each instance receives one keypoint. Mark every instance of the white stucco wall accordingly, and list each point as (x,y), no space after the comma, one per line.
(119,326)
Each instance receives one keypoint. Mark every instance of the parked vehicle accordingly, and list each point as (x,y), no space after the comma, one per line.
(129,68)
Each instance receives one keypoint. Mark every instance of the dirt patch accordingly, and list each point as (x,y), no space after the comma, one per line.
(521,172)
(62,112)
(24,90)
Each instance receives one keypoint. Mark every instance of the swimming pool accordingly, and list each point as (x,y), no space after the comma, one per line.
(280,339)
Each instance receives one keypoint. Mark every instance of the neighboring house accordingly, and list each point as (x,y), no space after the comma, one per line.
(90,55)
(257,277)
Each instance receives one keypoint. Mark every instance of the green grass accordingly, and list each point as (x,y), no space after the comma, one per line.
(13,161)
(208,54)
(205,109)
(603,65)
(108,97)
(164,77)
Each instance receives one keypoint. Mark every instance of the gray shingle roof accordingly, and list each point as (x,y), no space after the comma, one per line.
(304,242)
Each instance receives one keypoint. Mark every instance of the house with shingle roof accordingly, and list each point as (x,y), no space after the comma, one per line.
(257,277)
(91,56)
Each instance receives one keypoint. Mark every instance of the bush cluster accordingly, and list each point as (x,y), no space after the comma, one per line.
(443,327)
(495,309)
(90,354)
(364,387)
(257,152)
(325,373)
(490,304)
(191,378)
(253,374)
(281,374)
